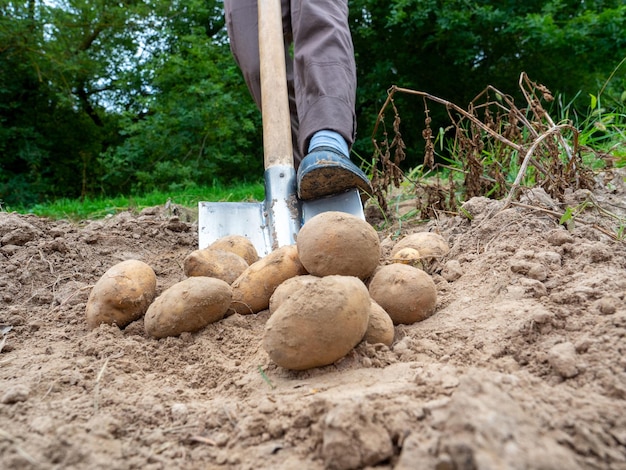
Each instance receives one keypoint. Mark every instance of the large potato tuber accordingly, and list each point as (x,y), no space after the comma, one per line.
(239,245)
(319,324)
(429,248)
(210,262)
(338,243)
(188,306)
(122,294)
(254,287)
(406,293)
(380,327)
(287,288)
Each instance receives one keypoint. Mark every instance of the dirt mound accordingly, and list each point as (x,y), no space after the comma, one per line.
(522,365)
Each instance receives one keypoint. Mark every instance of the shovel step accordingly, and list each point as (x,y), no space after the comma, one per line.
(349,201)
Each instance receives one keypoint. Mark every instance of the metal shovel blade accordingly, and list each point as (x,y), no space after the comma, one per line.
(219,219)
(268,225)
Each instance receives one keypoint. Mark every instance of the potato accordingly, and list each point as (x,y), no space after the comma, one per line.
(430,245)
(319,324)
(338,243)
(220,264)
(188,306)
(406,293)
(253,289)
(380,327)
(408,256)
(122,294)
(239,245)
(287,288)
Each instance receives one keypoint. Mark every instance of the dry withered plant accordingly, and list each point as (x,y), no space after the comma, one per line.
(494,139)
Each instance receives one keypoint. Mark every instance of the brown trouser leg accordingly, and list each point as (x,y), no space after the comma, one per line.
(321,75)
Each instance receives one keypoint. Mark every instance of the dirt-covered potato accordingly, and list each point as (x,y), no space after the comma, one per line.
(319,324)
(408,256)
(122,294)
(380,327)
(406,293)
(188,306)
(287,288)
(239,245)
(430,247)
(210,262)
(254,287)
(338,243)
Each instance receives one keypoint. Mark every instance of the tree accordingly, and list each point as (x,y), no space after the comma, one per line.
(57,62)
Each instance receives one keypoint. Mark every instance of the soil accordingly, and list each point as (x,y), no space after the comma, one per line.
(522,366)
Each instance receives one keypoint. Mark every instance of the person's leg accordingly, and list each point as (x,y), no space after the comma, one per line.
(242,24)
(325,70)
(325,87)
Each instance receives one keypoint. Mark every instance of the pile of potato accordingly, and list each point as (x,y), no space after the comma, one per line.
(325,294)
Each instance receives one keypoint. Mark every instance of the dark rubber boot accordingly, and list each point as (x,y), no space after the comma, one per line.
(324,171)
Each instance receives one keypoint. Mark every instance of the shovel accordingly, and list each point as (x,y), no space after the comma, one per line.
(276,221)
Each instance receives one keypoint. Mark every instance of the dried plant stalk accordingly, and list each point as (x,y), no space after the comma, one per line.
(492,125)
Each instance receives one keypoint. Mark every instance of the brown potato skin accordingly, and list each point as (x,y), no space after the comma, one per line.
(319,324)
(338,243)
(254,287)
(239,245)
(210,262)
(380,327)
(406,293)
(188,306)
(287,288)
(408,256)
(122,295)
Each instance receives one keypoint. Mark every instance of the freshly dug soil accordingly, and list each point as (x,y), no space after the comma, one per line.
(523,364)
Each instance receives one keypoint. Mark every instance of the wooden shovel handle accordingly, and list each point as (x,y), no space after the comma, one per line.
(277,145)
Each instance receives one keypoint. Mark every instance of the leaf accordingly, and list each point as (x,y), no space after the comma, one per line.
(567,216)
(594,101)
(567,219)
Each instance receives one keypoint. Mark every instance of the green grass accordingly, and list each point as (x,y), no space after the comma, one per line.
(95,208)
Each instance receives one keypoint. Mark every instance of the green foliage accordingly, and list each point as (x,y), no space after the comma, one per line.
(198,123)
(61,59)
(201,125)
(601,131)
